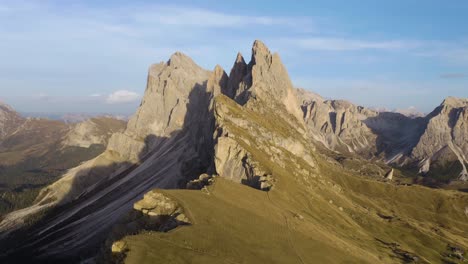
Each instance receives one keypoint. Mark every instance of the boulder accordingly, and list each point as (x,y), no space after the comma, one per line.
(119,247)
(389,175)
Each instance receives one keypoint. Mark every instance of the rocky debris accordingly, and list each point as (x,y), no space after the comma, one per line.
(202,181)
(266,182)
(405,256)
(389,174)
(299,216)
(456,252)
(119,247)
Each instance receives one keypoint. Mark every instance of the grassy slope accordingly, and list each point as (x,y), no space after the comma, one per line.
(321,214)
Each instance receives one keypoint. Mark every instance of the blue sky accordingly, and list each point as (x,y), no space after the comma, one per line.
(93,56)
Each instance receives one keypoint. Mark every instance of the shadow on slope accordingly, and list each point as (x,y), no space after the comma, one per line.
(396,133)
(75,230)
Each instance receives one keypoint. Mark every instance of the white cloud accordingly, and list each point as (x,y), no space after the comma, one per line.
(95,95)
(345,44)
(198,17)
(122,96)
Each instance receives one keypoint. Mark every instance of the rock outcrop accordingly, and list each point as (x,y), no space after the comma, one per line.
(202,181)
(444,140)
(264,81)
(339,124)
(156,205)
(389,175)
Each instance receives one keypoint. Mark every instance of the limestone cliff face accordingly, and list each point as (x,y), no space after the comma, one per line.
(438,139)
(339,125)
(445,136)
(264,81)
(162,113)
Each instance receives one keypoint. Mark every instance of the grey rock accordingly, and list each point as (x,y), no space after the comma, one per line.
(389,175)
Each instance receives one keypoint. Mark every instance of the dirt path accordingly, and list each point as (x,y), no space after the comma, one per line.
(289,229)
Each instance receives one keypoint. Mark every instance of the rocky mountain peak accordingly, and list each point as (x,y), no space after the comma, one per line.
(260,53)
(236,76)
(5,107)
(266,79)
(218,81)
(455,102)
(240,58)
(180,59)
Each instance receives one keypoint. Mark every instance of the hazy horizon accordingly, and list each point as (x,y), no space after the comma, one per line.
(88,57)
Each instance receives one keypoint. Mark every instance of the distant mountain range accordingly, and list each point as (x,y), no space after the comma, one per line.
(34,152)
(73,117)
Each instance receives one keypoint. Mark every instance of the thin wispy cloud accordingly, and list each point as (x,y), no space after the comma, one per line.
(350,44)
(455,75)
(197,17)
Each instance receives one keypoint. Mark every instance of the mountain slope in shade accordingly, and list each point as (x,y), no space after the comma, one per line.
(272,194)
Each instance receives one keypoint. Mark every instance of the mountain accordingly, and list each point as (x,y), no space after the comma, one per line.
(243,168)
(443,147)
(72,118)
(438,138)
(34,152)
